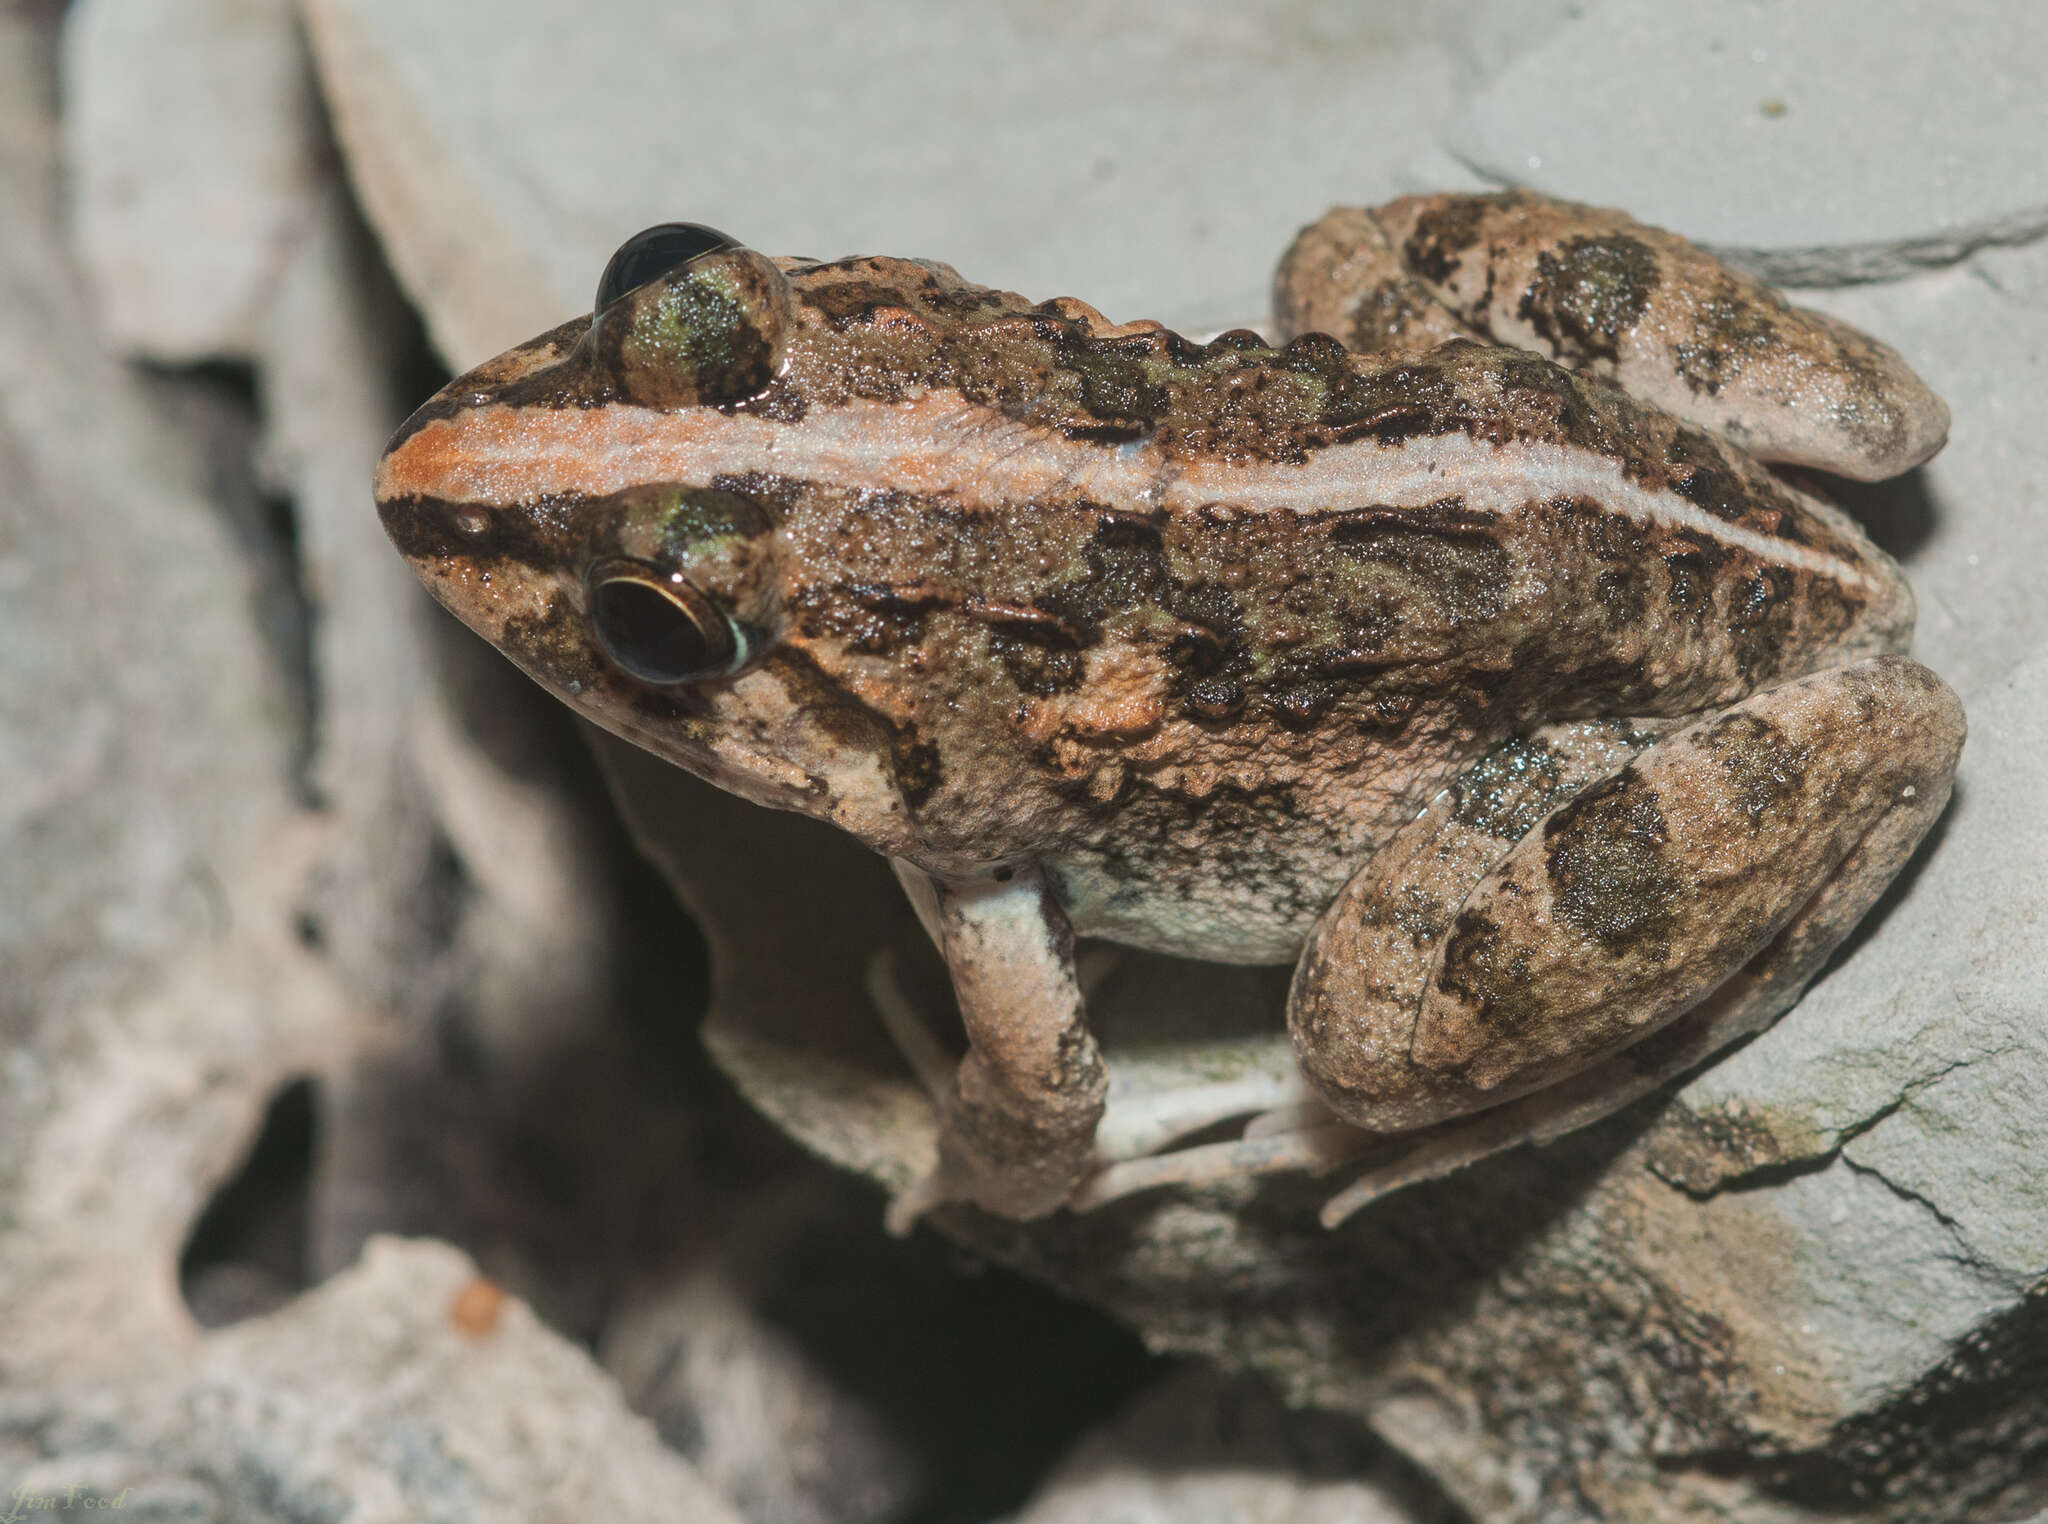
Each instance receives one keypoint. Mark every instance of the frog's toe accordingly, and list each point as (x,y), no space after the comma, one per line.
(1135,1125)
(1310,1149)
(911,1203)
(927,1057)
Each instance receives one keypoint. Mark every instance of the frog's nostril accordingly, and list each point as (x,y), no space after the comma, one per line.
(659,629)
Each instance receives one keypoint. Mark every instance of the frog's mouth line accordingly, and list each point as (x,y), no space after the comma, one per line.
(498,458)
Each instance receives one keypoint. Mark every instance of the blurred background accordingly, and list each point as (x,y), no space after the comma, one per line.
(360,1155)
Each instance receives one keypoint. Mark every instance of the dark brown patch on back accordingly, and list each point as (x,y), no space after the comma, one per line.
(1605,857)
(1487,968)
(1443,234)
(1449,554)
(1590,293)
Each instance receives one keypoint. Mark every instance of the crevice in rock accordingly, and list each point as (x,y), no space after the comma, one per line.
(1770,1175)
(1964,1253)
(217,408)
(246,1253)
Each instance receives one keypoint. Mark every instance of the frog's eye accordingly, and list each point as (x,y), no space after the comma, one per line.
(655,251)
(658,628)
(711,329)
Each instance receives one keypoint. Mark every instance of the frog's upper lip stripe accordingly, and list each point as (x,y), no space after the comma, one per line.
(940,445)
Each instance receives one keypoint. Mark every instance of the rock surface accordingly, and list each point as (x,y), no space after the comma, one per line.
(1090,139)
(1201,1448)
(1834,140)
(1809,1284)
(164,968)
(197,156)
(406,1388)
(1741,1301)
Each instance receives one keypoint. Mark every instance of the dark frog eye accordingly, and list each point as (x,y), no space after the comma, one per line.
(653,252)
(658,628)
(686,317)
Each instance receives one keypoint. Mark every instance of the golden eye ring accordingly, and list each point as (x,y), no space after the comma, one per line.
(653,625)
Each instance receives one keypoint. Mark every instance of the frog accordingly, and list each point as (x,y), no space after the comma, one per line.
(1486,645)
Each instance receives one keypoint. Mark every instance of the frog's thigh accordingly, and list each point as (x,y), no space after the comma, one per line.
(1744,845)
(1016,1133)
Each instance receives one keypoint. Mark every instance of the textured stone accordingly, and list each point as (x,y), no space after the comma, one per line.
(405,1388)
(504,151)
(196,152)
(1808,1286)
(1831,140)
(1203,1449)
(764,1421)
(160,974)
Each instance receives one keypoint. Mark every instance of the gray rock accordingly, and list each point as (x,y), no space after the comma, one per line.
(1201,1448)
(405,1388)
(158,982)
(1829,141)
(1152,162)
(763,1420)
(190,184)
(151,833)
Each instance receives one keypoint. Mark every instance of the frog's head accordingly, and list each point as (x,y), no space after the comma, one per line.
(590,503)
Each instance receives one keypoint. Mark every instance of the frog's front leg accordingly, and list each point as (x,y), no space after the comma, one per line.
(1697,889)
(1017,1130)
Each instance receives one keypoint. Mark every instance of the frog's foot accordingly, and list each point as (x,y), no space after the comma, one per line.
(1140,1125)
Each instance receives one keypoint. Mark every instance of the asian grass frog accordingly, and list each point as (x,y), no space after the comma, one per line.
(1551,736)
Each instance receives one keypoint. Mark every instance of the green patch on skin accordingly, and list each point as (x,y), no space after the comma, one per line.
(702,327)
(1117,385)
(708,334)
(1509,789)
(1464,573)
(671,525)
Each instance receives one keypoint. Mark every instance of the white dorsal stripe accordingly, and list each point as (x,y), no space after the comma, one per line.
(940,444)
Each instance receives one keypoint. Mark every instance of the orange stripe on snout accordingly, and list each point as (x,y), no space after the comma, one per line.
(937,444)
(509,455)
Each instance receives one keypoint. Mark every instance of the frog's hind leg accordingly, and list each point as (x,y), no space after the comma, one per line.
(1422,875)
(1672,907)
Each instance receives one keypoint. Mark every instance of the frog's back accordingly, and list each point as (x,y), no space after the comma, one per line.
(1040,585)
(1303,532)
